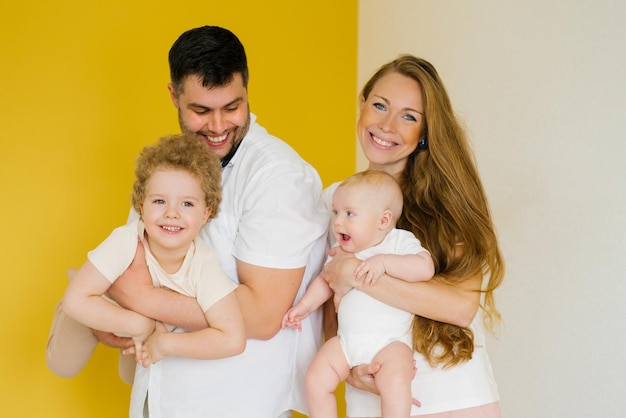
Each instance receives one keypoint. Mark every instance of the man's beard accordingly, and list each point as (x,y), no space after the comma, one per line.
(237,134)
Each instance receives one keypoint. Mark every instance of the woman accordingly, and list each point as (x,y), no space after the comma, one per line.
(407,128)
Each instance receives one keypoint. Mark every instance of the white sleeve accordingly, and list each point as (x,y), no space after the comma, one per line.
(113,256)
(408,243)
(283,217)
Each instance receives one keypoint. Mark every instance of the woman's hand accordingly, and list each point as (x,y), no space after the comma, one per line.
(362,377)
(339,273)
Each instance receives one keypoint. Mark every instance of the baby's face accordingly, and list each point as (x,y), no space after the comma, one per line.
(356,219)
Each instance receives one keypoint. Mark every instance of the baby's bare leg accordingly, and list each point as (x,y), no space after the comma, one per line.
(327,370)
(394,379)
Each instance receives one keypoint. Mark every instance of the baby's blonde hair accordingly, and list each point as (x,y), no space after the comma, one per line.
(384,188)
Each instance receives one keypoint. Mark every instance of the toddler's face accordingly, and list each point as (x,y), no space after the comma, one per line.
(173,210)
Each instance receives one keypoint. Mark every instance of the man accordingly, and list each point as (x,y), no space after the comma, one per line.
(270,236)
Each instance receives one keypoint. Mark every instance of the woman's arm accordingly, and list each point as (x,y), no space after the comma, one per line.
(432,299)
(408,267)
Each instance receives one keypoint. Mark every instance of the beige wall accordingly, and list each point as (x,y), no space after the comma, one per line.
(541,88)
(83,88)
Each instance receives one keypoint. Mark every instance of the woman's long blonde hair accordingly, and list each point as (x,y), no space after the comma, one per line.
(445,206)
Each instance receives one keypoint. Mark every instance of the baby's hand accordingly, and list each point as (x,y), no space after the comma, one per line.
(151,351)
(294,316)
(370,270)
(146,329)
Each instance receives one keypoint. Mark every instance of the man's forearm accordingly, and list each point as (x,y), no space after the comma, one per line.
(264,295)
(169,307)
(261,323)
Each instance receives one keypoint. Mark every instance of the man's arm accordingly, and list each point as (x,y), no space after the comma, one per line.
(265,294)
(134,290)
(316,294)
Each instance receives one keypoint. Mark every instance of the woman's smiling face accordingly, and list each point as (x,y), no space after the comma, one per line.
(391,122)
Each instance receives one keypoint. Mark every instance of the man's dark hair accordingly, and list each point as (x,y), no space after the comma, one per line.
(212,53)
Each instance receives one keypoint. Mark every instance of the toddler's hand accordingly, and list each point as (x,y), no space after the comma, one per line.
(147,328)
(151,350)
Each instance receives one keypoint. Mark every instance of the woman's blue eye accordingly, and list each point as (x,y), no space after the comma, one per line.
(410,118)
(379,106)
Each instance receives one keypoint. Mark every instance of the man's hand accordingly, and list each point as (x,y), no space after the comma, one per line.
(131,283)
(111,340)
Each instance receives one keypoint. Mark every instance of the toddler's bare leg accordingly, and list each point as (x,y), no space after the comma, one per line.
(70,345)
(327,370)
(394,379)
(126,368)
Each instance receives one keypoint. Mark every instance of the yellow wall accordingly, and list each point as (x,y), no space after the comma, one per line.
(83,89)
